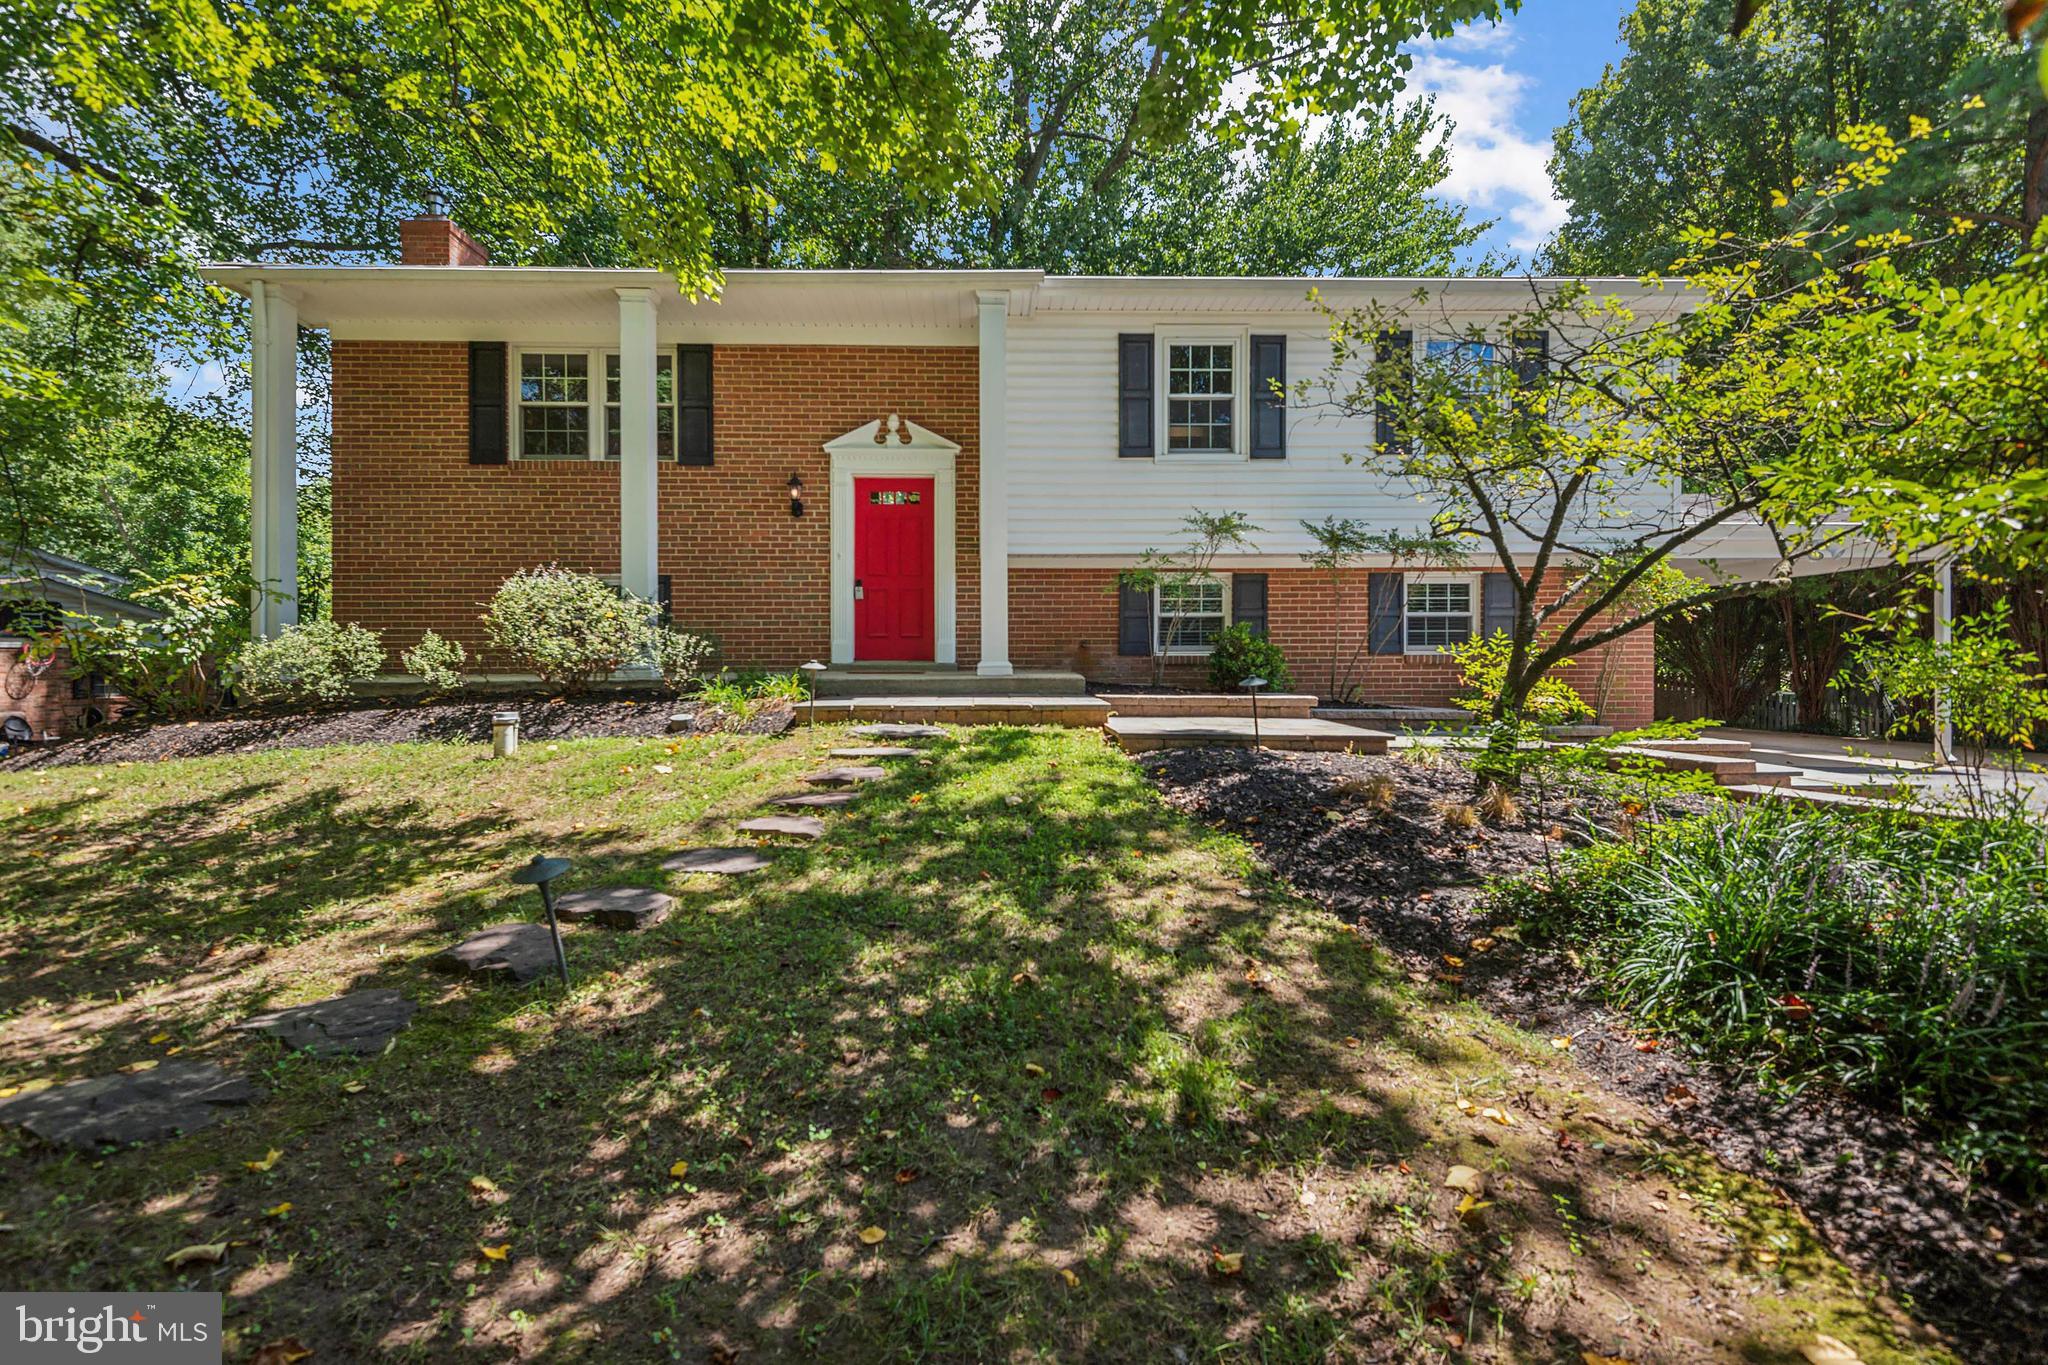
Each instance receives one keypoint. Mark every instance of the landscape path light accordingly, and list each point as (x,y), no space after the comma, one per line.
(811,671)
(540,872)
(1252,685)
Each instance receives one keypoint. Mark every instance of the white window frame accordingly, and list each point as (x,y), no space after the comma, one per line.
(1164,340)
(1186,651)
(597,359)
(1472,584)
(605,405)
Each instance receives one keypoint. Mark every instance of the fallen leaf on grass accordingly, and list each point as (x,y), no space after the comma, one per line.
(1647,1045)
(1073,1281)
(482,1184)
(1226,1262)
(205,1253)
(906,1175)
(496,1253)
(1466,1178)
(663,769)
(1680,1096)
(1453,960)
(1826,1350)
(1562,1042)
(871,1236)
(278,1210)
(1469,1207)
(680,1169)
(355,1088)
(270,1159)
(1499,1116)
(134,1067)
(1765,1257)
(1482,944)
(159,1038)
(283,1351)
(1033,1069)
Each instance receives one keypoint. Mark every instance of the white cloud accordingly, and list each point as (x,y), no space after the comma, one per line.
(1496,167)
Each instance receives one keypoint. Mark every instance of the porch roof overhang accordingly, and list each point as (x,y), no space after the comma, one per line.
(439,302)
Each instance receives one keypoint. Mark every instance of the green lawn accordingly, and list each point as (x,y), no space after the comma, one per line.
(1071,1056)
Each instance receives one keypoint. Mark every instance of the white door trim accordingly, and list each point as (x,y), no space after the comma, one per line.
(904,449)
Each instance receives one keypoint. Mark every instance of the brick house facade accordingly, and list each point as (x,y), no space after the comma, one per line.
(731,455)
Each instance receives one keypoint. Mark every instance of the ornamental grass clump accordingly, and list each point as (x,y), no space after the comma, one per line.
(1905,959)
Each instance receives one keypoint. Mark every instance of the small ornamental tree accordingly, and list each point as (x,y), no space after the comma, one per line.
(1175,574)
(170,666)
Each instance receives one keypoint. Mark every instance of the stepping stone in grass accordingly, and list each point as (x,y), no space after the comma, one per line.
(876,751)
(616,907)
(359,1023)
(506,952)
(890,729)
(727,860)
(845,777)
(801,826)
(143,1106)
(813,800)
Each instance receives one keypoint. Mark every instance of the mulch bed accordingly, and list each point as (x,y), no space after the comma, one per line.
(540,720)
(1972,1261)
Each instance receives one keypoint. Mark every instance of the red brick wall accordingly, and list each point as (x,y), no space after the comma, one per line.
(436,241)
(422,537)
(1067,618)
(46,702)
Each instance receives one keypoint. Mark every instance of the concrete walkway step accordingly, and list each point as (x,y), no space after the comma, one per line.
(979,709)
(1141,734)
(927,681)
(1276,705)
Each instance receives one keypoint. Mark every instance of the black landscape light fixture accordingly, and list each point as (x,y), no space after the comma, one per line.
(540,872)
(1252,685)
(811,670)
(796,495)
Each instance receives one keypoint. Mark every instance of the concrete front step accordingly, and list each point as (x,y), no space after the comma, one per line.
(1279,705)
(924,682)
(1839,800)
(1727,770)
(1083,711)
(1141,734)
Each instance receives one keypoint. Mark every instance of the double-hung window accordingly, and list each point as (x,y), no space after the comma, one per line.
(554,405)
(1440,613)
(664,405)
(1469,366)
(563,413)
(1201,397)
(1189,613)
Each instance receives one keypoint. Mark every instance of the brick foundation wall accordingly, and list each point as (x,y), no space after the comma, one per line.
(47,703)
(422,537)
(1067,618)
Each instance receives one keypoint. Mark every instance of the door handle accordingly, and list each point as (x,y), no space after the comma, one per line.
(859,593)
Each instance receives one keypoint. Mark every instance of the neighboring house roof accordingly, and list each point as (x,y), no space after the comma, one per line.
(71,584)
(400,302)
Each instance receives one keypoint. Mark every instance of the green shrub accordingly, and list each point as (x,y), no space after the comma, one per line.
(747,694)
(1240,653)
(1903,959)
(318,661)
(169,666)
(680,659)
(437,663)
(569,629)
(1483,669)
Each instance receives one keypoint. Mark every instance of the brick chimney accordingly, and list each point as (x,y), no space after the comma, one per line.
(431,239)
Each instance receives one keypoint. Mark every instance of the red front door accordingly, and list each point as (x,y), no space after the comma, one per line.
(893,573)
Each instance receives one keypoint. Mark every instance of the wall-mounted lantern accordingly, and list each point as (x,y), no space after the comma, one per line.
(796,495)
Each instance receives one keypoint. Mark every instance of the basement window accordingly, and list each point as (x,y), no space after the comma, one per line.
(1439,615)
(1189,615)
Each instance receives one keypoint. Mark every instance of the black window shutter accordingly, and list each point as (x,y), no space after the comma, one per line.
(1133,620)
(1269,408)
(693,405)
(1496,604)
(487,416)
(1395,351)
(1532,358)
(1248,602)
(1387,610)
(1134,396)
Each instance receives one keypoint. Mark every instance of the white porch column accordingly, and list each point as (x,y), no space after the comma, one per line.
(639,483)
(1944,635)
(993,307)
(273,458)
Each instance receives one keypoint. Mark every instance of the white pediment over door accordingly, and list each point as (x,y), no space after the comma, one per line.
(891,433)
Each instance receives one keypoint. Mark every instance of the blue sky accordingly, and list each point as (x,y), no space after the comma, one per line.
(1506,86)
